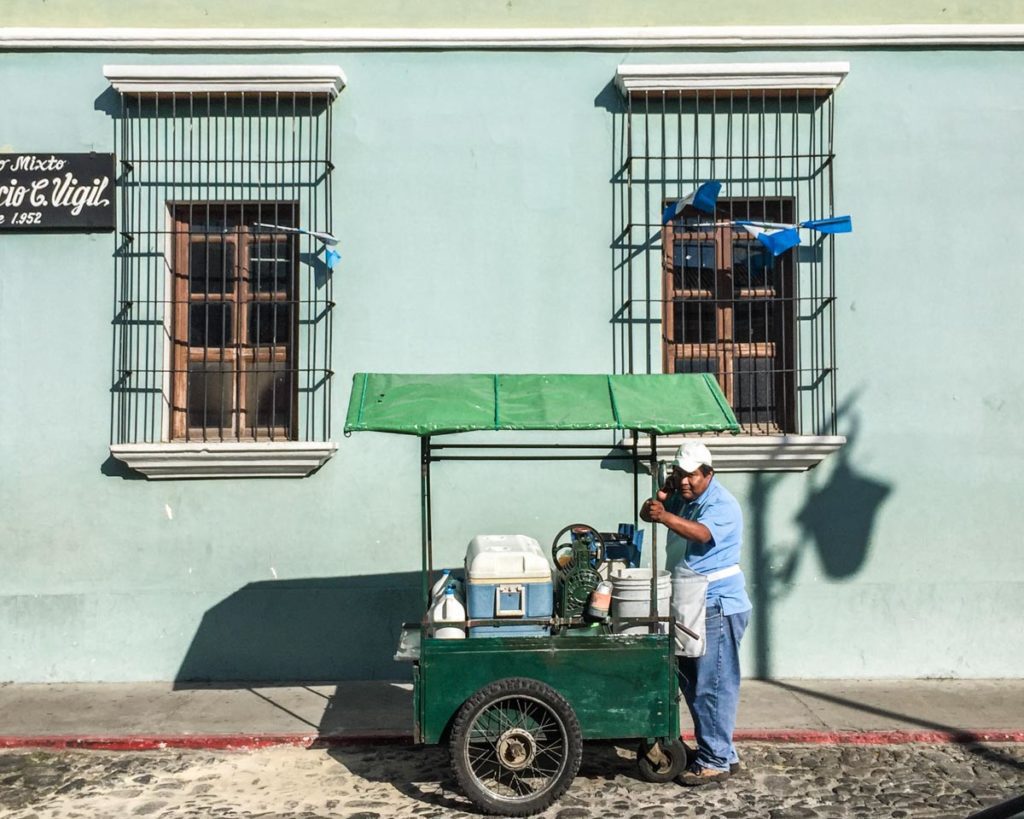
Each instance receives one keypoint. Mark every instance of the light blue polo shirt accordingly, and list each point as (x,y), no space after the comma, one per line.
(717,509)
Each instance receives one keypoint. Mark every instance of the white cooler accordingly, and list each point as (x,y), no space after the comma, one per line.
(508,577)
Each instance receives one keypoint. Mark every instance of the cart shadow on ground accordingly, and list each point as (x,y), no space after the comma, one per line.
(424,773)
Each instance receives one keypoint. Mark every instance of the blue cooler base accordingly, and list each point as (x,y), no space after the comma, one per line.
(509,631)
(482,602)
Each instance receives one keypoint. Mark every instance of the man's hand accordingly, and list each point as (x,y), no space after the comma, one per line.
(653,510)
(656,510)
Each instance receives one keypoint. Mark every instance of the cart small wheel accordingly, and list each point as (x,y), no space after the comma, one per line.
(663,761)
(516,747)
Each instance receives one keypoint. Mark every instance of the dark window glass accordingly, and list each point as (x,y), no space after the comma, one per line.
(270,322)
(210,218)
(270,266)
(695,322)
(752,265)
(751,321)
(268,388)
(695,255)
(694,266)
(211,266)
(268,216)
(754,401)
(209,324)
(697,365)
(210,395)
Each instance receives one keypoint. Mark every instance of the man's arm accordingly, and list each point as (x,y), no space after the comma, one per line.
(653,511)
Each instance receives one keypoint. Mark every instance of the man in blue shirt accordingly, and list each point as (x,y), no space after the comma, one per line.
(705,517)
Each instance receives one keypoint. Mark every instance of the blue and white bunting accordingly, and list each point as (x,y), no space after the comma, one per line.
(704,199)
(779,238)
(326,238)
(332,258)
(775,236)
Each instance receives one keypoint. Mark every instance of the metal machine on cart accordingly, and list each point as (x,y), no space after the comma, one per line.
(514,710)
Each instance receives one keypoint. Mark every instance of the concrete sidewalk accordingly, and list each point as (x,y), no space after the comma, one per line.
(153,715)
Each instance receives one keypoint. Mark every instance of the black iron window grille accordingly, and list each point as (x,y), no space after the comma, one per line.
(700,293)
(222,321)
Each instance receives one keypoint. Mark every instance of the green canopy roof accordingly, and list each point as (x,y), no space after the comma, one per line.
(436,404)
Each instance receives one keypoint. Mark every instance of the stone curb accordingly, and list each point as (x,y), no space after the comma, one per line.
(252,742)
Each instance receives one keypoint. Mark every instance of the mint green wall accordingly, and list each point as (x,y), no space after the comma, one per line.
(499,13)
(474,205)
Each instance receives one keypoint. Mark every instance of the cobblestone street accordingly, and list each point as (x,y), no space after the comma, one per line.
(384,781)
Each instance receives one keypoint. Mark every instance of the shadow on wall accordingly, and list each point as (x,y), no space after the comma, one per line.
(316,629)
(849,497)
(836,521)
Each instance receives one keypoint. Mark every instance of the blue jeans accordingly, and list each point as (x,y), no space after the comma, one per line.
(711,687)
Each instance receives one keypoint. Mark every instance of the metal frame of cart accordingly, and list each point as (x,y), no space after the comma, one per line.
(515,710)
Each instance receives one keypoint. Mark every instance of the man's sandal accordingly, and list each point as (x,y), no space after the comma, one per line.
(696,775)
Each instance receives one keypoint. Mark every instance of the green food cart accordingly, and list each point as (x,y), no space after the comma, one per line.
(515,710)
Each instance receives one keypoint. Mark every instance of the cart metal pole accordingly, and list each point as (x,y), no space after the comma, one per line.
(654,535)
(430,512)
(427,558)
(636,483)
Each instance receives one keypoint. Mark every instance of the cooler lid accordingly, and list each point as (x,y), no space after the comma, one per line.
(506,557)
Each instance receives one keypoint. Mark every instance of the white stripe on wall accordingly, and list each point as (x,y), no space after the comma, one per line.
(518,38)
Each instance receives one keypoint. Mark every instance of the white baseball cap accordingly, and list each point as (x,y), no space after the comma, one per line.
(691,456)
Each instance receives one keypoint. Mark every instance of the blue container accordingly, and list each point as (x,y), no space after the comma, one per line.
(525,600)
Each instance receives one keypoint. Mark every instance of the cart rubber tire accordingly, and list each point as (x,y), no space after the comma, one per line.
(672,763)
(516,746)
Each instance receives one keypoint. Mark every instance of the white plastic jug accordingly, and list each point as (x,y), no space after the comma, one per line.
(446,581)
(441,584)
(448,609)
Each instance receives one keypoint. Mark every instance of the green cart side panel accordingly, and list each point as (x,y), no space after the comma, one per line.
(619,686)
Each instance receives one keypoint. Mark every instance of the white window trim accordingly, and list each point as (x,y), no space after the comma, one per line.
(731,77)
(280,459)
(753,453)
(191,79)
(903,35)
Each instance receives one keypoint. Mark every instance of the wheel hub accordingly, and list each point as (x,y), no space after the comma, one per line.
(516,749)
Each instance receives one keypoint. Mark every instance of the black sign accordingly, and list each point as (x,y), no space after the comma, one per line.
(56,192)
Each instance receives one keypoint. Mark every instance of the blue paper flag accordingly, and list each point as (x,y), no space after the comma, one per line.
(776,240)
(833,224)
(333,257)
(704,199)
(779,241)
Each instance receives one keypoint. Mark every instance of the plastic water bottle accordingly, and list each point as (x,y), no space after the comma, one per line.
(437,592)
(448,610)
(447,580)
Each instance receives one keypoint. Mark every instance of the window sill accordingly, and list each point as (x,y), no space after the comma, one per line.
(756,453)
(227,79)
(285,459)
(690,78)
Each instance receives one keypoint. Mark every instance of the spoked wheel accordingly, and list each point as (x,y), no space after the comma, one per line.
(516,747)
(661,762)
